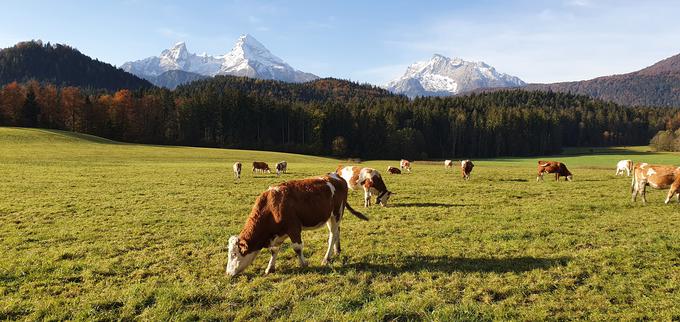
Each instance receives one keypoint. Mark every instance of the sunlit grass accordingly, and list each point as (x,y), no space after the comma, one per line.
(93,229)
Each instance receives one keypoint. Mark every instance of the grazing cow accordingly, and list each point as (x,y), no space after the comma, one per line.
(393,170)
(655,176)
(448,163)
(237,170)
(284,211)
(261,167)
(558,168)
(281,167)
(624,165)
(367,178)
(405,165)
(466,166)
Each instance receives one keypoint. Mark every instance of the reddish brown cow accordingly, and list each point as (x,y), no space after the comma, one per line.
(405,165)
(558,168)
(466,167)
(657,177)
(393,170)
(261,167)
(285,210)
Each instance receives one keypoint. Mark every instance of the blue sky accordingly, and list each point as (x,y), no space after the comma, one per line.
(369,41)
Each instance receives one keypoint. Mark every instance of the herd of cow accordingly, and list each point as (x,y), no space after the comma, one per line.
(285,210)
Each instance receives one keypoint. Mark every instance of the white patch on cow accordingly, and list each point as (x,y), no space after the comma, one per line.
(236,262)
(347,174)
(651,172)
(334,175)
(275,188)
(330,185)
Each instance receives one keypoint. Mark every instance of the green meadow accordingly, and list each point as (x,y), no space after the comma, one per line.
(92,229)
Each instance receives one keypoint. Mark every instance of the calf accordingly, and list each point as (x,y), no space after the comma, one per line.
(558,168)
(285,210)
(405,165)
(393,170)
(237,170)
(624,165)
(261,167)
(281,167)
(655,176)
(448,163)
(368,178)
(466,167)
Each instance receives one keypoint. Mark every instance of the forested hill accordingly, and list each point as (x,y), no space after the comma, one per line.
(63,66)
(657,85)
(319,118)
(320,90)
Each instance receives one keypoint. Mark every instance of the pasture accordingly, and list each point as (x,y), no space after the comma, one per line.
(95,229)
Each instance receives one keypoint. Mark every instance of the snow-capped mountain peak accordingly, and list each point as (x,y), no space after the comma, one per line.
(441,76)
(248,57)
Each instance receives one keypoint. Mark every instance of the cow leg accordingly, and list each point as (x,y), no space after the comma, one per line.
(367,198)
(332,225)
(643,192)
(297,247)
(271,268)
(634,193)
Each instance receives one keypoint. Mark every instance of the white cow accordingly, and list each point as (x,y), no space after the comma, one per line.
(237,170)
(448,163)
(624,165)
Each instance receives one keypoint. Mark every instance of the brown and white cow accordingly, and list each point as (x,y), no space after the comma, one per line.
(393,170)
(466,167)
(448,163)
(558,168)
(624,165)
(368,178)
(655,176)
(261,167)
(284,211)
(405,165)
(237,170)
(281,167)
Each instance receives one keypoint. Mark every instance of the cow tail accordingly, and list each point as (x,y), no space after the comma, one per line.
(354,212)
(633,181)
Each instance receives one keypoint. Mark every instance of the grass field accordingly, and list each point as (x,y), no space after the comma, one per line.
(94,229)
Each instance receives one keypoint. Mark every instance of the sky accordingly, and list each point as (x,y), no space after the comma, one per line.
(368,41)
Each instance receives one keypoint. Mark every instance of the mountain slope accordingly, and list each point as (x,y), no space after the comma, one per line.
(656,85)
(247,58)
(62,65)
(443,76)
(173,78)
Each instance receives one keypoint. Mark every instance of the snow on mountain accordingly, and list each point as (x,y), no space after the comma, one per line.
(442,76)
(248,58)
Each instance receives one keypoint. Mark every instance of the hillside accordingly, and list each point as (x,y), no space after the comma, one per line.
(62,65)
(656,85)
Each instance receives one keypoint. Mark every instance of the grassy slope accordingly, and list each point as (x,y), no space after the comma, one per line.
(92,229)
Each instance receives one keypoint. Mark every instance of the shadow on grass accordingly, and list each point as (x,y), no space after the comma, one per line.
(512,180)
(427,204)
(445,264)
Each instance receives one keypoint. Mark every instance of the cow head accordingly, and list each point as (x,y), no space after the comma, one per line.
(384,197)
(237,262)
(570,177)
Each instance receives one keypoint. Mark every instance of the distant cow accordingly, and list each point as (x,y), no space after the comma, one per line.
(448,163)
(237,170)
(284,211)
(405,165)
(368,178)
(466,167)
(261,167)
(624,165)
(558,168)
(393,170)
(655,176)
(281,167)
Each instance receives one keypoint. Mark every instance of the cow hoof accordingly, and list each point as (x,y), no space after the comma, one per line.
(304,264)
(326,262)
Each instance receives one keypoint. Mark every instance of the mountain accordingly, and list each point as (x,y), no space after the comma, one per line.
(247,58)
(62,65)
(656,85)
(173,78)
(443,76)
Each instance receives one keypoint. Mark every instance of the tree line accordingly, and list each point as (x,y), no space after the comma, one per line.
(332,117)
